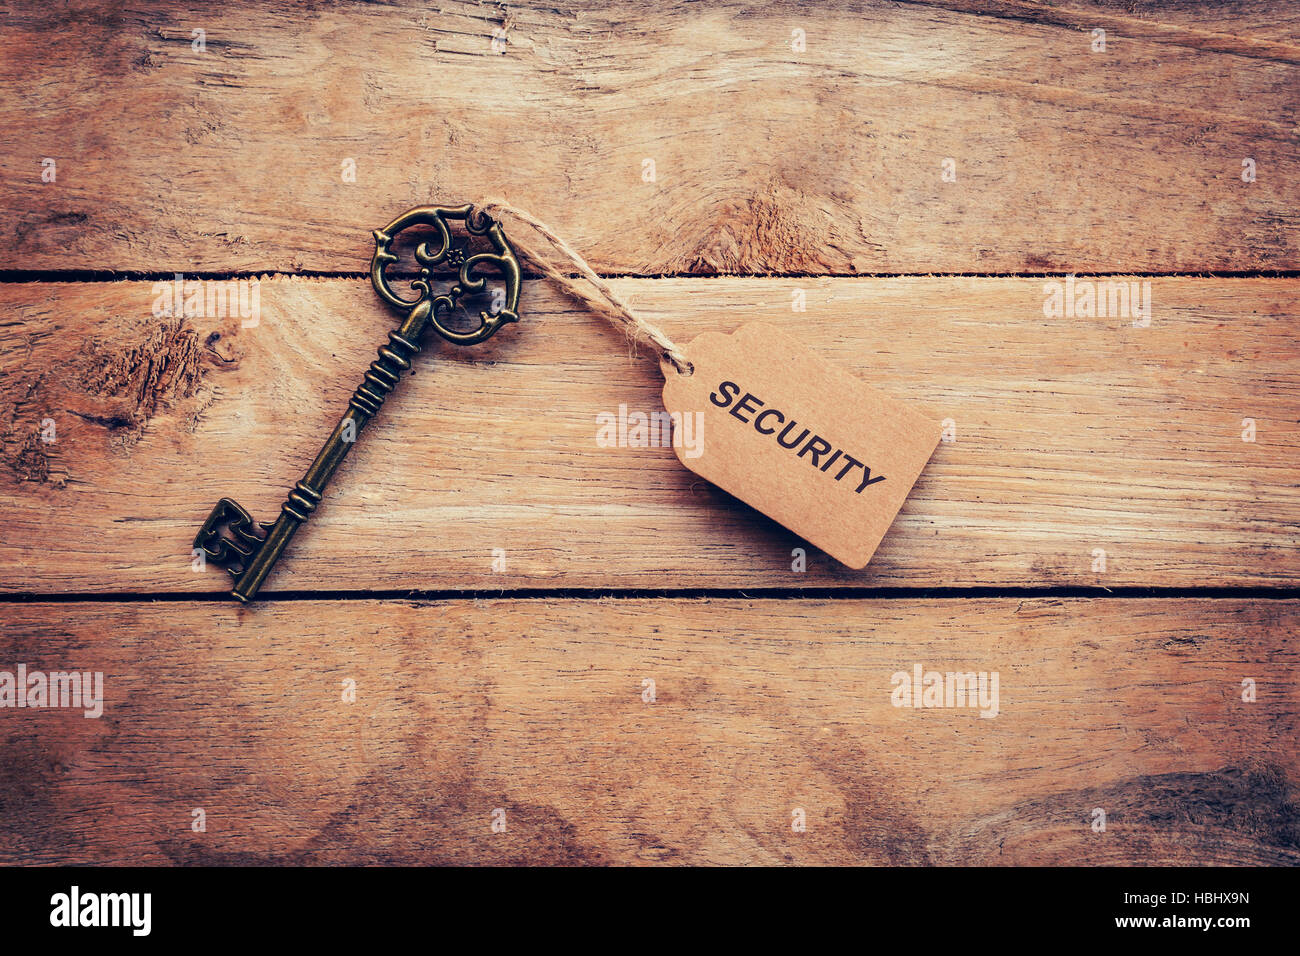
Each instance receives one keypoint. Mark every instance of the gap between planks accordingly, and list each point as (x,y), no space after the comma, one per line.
(25,276)
(632,594)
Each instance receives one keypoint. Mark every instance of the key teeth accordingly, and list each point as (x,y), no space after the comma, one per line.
(239,546)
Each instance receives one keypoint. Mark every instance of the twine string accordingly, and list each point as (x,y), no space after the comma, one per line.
(608,302)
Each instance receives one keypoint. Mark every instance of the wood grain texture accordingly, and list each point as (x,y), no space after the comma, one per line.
(761,707)
(1071,435)
(826,161)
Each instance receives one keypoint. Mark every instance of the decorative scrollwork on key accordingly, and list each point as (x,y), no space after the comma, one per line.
(450,252)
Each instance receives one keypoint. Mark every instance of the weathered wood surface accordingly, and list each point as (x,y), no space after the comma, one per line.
(537,708)
(825,161)
(1072,434)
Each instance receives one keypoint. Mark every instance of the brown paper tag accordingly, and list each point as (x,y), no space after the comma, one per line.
(804,442)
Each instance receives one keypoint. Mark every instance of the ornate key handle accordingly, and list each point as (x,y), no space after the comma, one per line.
(245,552)
(452,253)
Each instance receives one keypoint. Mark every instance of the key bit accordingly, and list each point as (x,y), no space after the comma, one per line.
(249,554)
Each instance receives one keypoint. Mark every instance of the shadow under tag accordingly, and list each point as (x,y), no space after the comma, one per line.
(803,441)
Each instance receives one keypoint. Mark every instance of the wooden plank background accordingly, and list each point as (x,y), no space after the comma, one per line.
(1132,445)
(777,172)
(762,707)
(766,160)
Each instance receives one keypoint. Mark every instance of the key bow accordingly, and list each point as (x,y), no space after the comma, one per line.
(452,253)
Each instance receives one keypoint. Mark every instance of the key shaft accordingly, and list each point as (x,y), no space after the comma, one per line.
(380,379)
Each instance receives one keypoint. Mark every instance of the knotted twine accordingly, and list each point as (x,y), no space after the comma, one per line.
(608,302)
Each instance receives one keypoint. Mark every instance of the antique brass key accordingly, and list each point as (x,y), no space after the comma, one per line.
(248,554)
